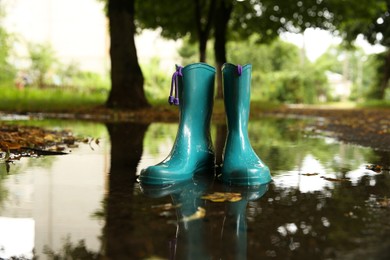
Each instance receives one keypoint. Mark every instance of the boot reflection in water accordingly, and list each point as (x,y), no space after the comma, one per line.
(234,229)
(190,241)
(241,165)
(192,150)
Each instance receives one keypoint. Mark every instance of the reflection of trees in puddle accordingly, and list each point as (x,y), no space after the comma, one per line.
(285,223)
(126,151)
(320,224)
(199,236)
(119,205)
(282,144)
(71,251)
(21,166)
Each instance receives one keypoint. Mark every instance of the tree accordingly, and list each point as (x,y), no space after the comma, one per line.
(126,76)
(222,19)
(375,29)
(42,58)
(176,19)
(222,16)
(7,71)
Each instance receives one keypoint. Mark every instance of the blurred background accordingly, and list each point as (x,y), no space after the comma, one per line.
(302,52)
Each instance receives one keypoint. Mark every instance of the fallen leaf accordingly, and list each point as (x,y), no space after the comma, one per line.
(384,203)
(334,179)
(374,167)
(200,213)
(223,196)
(167,206)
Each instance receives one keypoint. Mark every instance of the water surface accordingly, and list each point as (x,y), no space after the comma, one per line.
(323,203)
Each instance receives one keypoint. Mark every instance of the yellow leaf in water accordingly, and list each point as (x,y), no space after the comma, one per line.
(223,196)
(384,203)
(200,213)
(234,199)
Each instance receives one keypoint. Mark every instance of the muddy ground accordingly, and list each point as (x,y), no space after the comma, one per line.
(367,127)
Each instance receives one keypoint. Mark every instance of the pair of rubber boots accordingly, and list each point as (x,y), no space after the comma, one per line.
(192,151)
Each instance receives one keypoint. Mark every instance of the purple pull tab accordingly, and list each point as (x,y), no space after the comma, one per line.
(239,69)
(174,85)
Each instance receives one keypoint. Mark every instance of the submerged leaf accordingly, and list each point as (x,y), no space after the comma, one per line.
(384,203)
(335,179)
(223,196)
(200,213)
(167,206)
(374,167)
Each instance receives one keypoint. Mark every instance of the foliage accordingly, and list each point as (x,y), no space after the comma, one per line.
(42,57)
(157,82)
(7,71)
(379,63)
(371,19)
(276,56)
(279,71)
(304,85)
(83,80)
(54,99)
(354,65)
(47,71)
(71,251)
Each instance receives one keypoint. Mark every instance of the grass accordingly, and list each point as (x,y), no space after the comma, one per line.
(375,104)
(50,99)
(32,99)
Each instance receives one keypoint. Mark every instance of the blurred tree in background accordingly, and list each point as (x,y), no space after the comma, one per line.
(279,72)
(42,57)
(238,20)
(7,71)
(240,31)
(127,81)
(370,19)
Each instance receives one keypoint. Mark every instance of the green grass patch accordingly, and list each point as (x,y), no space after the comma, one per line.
(49,99)
(375,104)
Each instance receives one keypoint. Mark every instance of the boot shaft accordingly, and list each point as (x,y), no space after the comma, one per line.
(236,88)
(196,98)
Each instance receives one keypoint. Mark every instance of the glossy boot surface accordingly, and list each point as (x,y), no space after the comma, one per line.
(241,165)
(192,150)
(190,241)
(234,229)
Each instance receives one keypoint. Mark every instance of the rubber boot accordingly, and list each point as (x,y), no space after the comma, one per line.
(241,165)
(192,150)
(234,229)
(190,241)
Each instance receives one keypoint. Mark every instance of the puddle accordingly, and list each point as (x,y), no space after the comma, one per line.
(324,202)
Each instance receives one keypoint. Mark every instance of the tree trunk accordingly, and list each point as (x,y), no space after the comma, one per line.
(203,28)
(222,16)
(126,152)
(202,48)
(385,77)
(126,76)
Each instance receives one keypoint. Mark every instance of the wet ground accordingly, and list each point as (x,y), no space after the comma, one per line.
(328,199)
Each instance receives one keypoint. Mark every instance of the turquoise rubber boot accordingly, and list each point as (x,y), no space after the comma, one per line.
(234,230)
(241,165)
(192,151)
(191,239)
